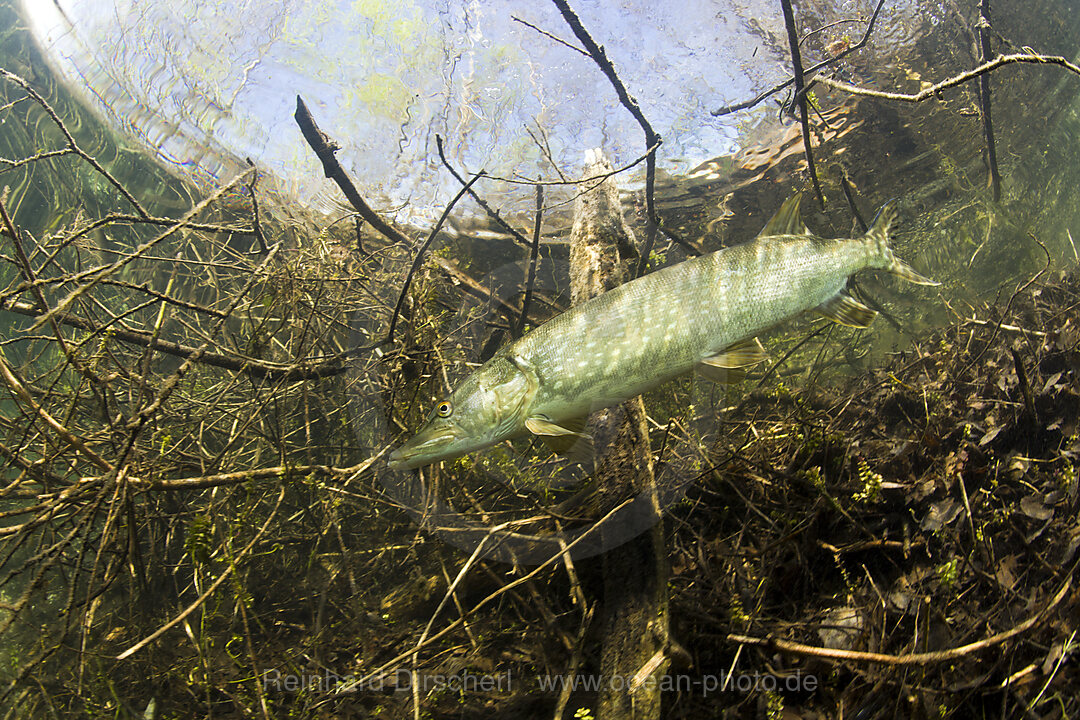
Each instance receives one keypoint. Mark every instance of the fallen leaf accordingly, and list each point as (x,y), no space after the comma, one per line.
(990,435)
(1051,661)
(1034,508)
(1051,382)
(1005,575)
(1018,467)
(1069,551)
(841,628)
(941,513)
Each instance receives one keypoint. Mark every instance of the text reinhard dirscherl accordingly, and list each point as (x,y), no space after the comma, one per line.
(467,682)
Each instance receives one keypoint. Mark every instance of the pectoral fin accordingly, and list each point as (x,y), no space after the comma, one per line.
(742,354)
(560,439)
(544,427)
(721,376)
(575,448)
(846,310)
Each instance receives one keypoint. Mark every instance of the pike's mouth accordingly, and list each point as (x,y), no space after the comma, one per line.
(421,449)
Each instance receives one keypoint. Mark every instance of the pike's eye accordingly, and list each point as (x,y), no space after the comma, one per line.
(444,409)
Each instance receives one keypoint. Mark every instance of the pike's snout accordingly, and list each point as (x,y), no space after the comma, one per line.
(422,448)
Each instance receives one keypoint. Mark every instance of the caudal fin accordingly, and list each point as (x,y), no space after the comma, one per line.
(902,269)
(879,232)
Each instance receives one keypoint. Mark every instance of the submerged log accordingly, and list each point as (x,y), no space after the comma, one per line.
(635,622)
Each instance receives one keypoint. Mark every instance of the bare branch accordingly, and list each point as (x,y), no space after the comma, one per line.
(652,138)
(924,658)
(324,149)
(810,72)
(71,144)
(796,63)
(933,90)
(255,368)
(423,250)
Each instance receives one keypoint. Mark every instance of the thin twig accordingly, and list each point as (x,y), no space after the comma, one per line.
(29,276)
(74,146)
(280,472)
(423,250)
(46,155)
(1016,293)
(578,596)
(492,212)
(208,592)
(924,658)
(984,99)
(260,369)
(590,181)
(563,552)
(652,138)
(810,33)
(545,147)
(173,380)
(96,275)
(933,90)
(800,96)
(116,218)
(545,33)
(599,56)
(255,210)
(746,104)
(847,186)
(534,254)
(473,287)
(19,391)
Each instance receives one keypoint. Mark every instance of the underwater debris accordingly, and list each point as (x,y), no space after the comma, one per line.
(963,569)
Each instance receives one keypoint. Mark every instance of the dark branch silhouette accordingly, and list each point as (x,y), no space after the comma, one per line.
(810,72)
(324,149)
(984,98)
(800,96)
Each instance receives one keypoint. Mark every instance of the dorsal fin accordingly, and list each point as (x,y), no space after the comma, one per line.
(787,220)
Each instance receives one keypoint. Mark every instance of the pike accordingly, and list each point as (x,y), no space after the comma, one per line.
(705,312)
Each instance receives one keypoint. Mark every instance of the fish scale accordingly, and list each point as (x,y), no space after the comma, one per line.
(649,331)
(707,310)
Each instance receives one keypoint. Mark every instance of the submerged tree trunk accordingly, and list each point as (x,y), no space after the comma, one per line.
(635,622)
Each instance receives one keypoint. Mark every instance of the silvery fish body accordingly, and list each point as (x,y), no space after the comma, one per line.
(704,311)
